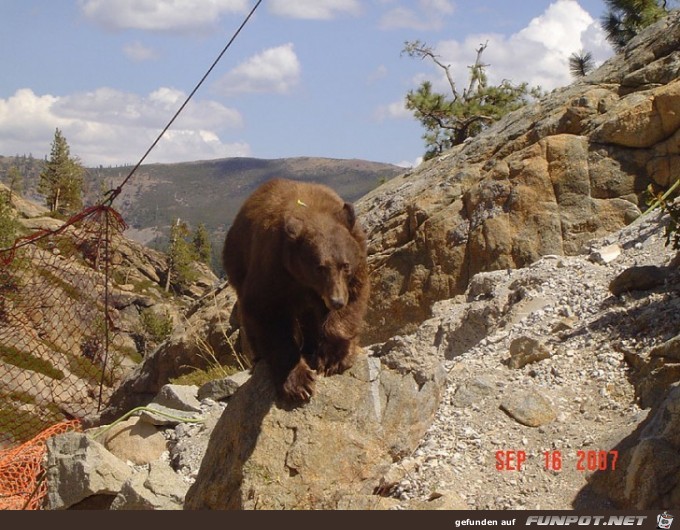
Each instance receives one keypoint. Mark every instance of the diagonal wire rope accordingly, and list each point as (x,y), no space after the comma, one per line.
(112,194)
(116,191)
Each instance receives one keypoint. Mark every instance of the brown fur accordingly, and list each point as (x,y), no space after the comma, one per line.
(297,259)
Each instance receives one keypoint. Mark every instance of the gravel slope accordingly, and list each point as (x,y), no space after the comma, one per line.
(567,306)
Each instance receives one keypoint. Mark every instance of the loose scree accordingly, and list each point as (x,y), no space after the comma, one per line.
(296,256)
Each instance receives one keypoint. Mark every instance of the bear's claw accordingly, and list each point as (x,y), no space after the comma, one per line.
(299,385)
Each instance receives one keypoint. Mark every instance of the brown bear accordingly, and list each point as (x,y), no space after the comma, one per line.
(296,256)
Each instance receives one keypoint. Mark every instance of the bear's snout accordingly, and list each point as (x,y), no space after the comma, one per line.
(336,297)
(336,303)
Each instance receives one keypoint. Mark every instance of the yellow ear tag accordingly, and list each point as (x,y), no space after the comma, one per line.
(300,203)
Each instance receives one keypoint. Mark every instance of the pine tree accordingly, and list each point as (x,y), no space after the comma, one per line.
(15,181)
(449,120)
(61,182)
(180,254)
(581,63)
(8,223)
(625,18)
(202,245)
(9,280)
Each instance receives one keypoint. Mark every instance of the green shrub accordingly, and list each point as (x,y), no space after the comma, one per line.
(672,234)
(199,377)
(156,327)
(670,203)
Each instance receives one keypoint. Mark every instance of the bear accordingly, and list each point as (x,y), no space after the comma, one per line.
(297,258)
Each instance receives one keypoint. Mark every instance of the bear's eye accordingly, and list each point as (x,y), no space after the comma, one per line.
(346,268)
(321,269)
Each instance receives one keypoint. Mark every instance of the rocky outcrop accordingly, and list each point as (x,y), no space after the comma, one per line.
(207,335)
(25,209)
(544,180)
(549,362)
(326,454)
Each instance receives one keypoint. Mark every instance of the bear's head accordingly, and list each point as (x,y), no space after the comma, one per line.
(322,254)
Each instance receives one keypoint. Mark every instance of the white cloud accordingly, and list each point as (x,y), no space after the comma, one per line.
(394,110)
(538,54)
(274,70)
(137,52)
(406,164)
(159,15)
(314,9)
(429,15)
(107,126)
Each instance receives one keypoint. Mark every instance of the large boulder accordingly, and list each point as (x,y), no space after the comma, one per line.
(78,468)
(327,453)
(546,179)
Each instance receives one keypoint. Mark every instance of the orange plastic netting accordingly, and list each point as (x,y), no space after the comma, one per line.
(22,470)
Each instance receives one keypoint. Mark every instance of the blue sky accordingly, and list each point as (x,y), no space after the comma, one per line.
(305,78)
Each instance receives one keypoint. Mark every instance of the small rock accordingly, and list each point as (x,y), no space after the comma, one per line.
(564,324)
(217,389)
(449,500)
(134,440)
(529,408)
(641,278)
(472,391)
(79,467)
(220,389)
(525,350)
(179,397)
(159,488)
(606,254)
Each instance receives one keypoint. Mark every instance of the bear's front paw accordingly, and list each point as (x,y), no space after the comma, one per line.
(299,385)
(336,366)
(337,361)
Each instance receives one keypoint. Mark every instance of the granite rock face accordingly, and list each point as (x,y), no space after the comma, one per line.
(546,179)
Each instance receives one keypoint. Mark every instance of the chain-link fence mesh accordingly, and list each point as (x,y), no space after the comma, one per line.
(59,358)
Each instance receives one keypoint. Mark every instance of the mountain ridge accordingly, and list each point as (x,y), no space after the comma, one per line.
(205,191)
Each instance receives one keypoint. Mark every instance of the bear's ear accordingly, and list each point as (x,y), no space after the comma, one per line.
(348,215)
(293,226)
